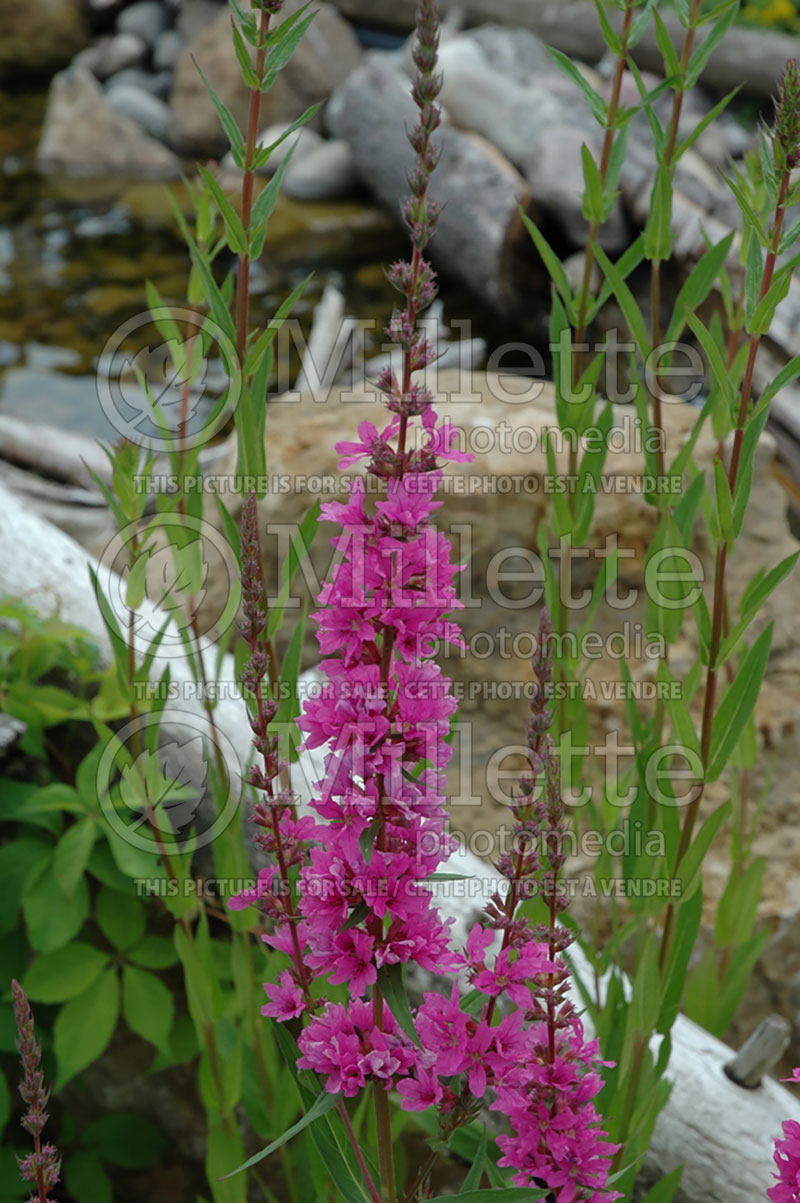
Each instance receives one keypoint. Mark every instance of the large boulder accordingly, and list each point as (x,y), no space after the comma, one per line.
(37,37)
(84,135)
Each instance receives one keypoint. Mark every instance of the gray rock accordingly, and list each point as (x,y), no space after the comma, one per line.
(84,135)
(157,84)
(194,15)
(306,140)
(141,106)
(117,53)
(168,49)
(147,19)
(39,36)
(326,173)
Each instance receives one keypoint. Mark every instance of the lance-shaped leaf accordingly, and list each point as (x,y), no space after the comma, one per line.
(323,1104)
(738,705)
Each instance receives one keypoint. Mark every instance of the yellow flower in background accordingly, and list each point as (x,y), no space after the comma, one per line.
(774,12)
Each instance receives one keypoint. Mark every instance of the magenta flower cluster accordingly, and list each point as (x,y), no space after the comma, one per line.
(349,889)
(787,1159)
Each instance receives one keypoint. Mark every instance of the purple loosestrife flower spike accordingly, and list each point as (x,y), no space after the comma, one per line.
(42,1166)
(543,1072)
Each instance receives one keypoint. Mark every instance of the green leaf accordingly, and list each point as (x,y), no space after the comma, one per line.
(85,1025)
(593,198)
(698,285)
(596,103)
(245,63)
(718,366)
(703,125)
(392,987)
(126,1139)
(227,120)
(86,1180)
(64,974)
(668,53)
(324,1103)
(473,1178)
(237,239)
(665,1190)
(121,917)
(747,210)
(265,204)
(753,599)
(625,300)
(724,501)
(551,261)
(658,229)
(52,916)
(690,871)
(154,952)
(738,906)
(704,51)
(738,705)
(786,376)
(147,1006)
(610,36)
(72,854)
(285,40)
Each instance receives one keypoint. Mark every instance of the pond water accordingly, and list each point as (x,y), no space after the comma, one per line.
(75,254)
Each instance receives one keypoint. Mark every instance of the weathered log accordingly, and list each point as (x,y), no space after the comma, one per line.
(480,238)
(750,58)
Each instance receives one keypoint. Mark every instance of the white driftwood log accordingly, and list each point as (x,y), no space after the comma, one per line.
(722,1133)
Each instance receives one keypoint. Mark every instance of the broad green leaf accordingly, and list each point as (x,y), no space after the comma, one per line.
(53,918)
(738,705)
(121,918)
(126,1139)
(85,1025)
(147,1006)
(61,975)
(153,952)
(86,1180)
(72,854)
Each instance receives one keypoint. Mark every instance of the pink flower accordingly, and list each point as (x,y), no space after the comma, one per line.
(787,1160)
(422,1091)
(286,998)
(370,441)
